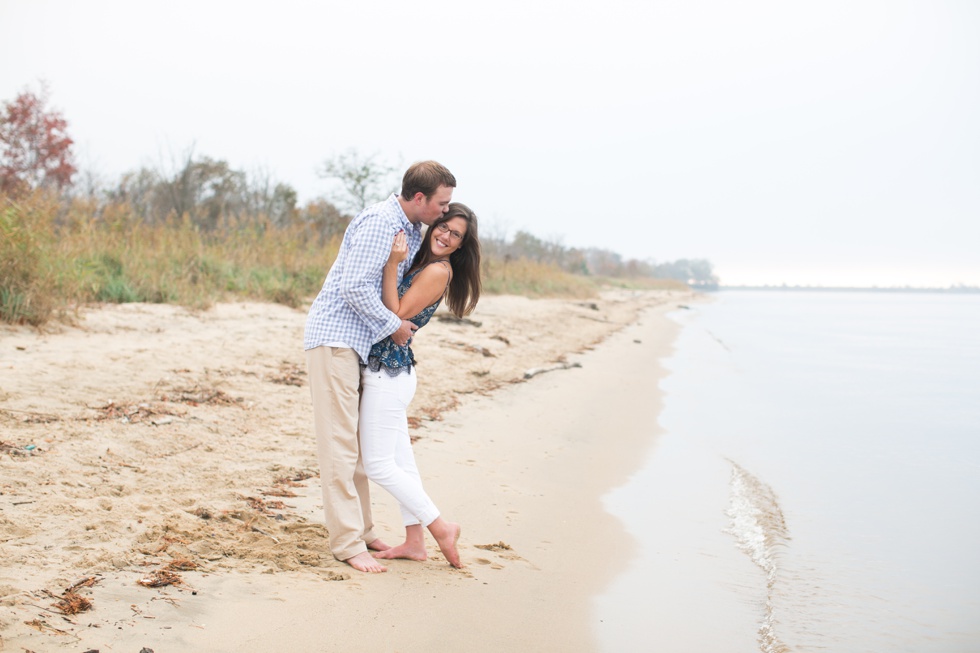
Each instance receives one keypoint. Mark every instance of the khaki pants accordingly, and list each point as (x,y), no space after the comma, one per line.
(335,375)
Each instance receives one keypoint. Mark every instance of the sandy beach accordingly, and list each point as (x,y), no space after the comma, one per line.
(158,471)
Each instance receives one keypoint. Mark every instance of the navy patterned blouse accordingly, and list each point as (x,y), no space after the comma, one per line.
(385,353)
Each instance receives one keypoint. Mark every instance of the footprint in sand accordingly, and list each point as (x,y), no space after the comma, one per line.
(491,563)
(503,551)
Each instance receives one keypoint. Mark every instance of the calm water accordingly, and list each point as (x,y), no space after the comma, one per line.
(819,477)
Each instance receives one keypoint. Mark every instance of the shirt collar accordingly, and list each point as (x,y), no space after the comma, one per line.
(406,223)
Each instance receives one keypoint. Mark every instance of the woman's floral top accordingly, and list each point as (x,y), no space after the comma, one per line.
(385,353)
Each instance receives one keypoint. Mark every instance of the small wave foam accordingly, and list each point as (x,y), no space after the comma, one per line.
(759,528)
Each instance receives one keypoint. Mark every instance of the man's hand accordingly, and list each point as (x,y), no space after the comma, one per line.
(404,333)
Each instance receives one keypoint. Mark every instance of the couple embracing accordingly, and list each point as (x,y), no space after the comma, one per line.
(386,282)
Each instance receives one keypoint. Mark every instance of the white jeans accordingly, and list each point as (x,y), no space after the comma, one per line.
(386,448)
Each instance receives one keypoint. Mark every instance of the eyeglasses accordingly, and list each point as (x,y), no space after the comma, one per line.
(444,229)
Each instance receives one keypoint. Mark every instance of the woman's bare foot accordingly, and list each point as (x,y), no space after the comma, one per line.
(413,548)
(377,545)
(364,561)
(404,551)
(446,539)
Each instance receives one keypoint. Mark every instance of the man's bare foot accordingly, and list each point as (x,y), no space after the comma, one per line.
(447,544)
(404,551)
(365,562)
(377,545)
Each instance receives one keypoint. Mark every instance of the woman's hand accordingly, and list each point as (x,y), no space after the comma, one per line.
(399,249)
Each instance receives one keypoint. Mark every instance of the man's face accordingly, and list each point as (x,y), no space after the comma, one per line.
(435,206)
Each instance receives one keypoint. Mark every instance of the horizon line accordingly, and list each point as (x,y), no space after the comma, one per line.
(963,288)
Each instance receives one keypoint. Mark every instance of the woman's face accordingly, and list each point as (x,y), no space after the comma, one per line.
(447,236)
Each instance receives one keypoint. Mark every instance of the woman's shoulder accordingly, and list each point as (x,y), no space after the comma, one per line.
(435,270)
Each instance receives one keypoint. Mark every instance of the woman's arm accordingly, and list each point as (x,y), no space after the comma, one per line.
(389,276)
(427,286)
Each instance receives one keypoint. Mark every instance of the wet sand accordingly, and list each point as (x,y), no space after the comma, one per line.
(152,440)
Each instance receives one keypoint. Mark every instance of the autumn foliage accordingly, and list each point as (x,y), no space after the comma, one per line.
(35,149)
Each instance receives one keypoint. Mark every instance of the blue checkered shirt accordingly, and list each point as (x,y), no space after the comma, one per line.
(348,309)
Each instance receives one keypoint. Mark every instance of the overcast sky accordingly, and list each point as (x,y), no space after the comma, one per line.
(822,142)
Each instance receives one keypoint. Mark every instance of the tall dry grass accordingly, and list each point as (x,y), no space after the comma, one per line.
(27,278)
(530,278)
(56,256)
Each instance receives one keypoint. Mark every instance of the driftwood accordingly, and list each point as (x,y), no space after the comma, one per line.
(557,366)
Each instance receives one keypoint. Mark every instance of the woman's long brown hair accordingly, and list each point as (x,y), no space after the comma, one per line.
(465,285)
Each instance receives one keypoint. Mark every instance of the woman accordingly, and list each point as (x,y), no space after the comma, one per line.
(447,264)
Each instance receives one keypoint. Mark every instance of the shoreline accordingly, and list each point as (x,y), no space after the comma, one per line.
(532,569)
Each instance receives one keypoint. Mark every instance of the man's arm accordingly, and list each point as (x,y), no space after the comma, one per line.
(404,334)
(369,248)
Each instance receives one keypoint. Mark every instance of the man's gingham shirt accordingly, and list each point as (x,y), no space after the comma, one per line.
(348,309)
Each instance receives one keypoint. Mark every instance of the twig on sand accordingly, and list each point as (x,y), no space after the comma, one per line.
(32,417)
(185,449)
(541,370)
(43,626)
(262,532)
(88,581)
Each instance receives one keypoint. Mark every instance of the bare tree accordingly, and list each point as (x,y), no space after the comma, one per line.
(364,179)
(269,198)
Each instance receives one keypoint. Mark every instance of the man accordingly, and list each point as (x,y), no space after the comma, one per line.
(346,318)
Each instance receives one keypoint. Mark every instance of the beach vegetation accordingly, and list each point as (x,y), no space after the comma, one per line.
(59,254)
(521,276)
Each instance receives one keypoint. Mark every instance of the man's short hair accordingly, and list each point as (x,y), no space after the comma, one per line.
(426,177)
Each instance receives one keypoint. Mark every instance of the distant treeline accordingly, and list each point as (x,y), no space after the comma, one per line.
(697,273)
(213,195)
